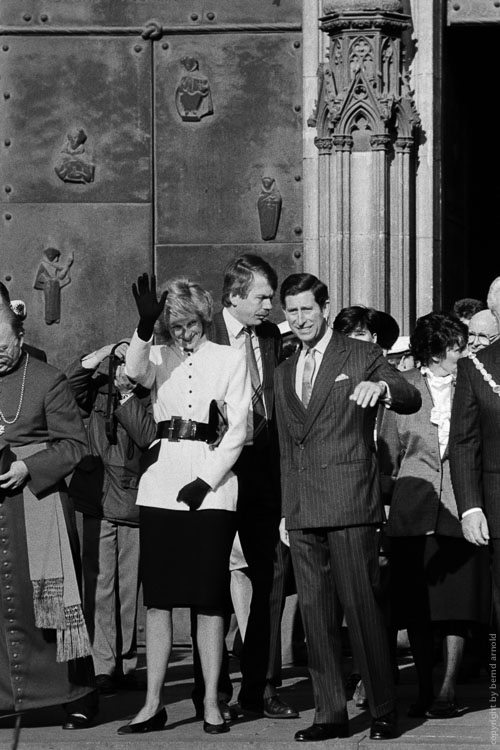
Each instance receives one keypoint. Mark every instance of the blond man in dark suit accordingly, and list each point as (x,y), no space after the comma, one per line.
(327,396)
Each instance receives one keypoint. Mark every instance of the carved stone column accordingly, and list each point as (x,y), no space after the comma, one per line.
(365,106)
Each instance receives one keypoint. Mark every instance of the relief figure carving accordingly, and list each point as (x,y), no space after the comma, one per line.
(193,97)
(72,165)
(51,277)
(269,208)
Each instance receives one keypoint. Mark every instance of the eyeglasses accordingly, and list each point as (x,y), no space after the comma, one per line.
(482,338)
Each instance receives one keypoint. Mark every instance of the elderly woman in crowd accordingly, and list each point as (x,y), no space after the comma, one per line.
(437,577)
(187,494)
(43,638)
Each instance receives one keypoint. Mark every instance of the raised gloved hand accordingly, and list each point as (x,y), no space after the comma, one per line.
(149,306)
(193,493)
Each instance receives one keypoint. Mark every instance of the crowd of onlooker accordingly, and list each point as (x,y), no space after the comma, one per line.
(219,462)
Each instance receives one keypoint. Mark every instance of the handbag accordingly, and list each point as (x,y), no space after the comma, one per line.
(217,420)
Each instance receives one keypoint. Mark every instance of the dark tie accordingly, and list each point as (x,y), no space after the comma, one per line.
(307,376)
(258,408)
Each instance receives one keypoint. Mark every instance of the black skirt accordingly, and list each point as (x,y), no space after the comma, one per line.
(436,578)
(185,557)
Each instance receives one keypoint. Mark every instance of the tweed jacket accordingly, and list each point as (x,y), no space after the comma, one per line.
(475,438)
(328,456)
(416,480)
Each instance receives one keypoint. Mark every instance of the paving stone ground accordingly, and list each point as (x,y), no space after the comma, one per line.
(476,727)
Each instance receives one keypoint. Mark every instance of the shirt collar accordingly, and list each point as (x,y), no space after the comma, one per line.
(233,325)
(322,343)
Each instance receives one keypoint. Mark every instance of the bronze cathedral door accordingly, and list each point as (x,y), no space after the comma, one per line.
(141,135)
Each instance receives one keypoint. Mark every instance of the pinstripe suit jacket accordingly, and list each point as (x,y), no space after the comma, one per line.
(475,438)
(328,462)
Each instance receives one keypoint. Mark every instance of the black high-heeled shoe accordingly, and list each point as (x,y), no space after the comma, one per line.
(215,728)
(153,724)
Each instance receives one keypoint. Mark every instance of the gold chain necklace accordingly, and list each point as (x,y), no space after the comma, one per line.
(21,397)
(486,375)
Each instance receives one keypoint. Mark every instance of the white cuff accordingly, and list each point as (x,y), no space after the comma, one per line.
(471,510)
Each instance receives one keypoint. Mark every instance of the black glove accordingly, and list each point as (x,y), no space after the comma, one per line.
(193,493)
(148,306)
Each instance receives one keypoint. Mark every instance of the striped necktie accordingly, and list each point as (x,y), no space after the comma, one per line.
(258,407)
(307,376)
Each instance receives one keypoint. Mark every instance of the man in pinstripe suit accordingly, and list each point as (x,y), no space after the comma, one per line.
(326,401)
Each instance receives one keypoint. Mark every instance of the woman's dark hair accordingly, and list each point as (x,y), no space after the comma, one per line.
(434,334)
(356,317)
(239,276)
(467,307)
(304,282)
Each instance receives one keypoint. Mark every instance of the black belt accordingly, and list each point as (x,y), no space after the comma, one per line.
(176,429)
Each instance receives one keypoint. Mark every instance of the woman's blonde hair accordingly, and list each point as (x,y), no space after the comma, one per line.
(186,298)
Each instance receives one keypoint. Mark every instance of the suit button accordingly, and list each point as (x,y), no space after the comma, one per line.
(324,466)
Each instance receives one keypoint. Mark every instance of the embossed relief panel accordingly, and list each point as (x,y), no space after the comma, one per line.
(110,244)
(75,121)
(228,133)
(75,185)
(171,12)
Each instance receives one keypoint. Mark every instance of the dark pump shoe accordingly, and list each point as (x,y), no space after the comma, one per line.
(384,727)
(153,724)
(77,721)
(215,728)
(442,708)
(320,732)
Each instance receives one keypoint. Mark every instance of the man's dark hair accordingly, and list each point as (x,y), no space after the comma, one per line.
(304,282)
(434,334)
(239,276)
(467,307)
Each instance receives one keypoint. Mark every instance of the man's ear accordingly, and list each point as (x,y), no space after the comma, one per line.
(375,337)
(326,309)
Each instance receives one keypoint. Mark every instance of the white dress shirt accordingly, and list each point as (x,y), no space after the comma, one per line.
(237,336)
(319,350)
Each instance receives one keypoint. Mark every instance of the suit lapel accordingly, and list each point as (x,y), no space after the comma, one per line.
(331,366)
(292,400)
(266,345)
(220,333)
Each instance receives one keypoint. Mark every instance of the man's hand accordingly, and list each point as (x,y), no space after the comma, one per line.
(15,477)
(193,494)
(284,533)
(149,306)
(367,393)
(93,360)
(475,528)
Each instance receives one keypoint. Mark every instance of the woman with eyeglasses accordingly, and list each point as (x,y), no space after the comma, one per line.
(187,491)
(438,580)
